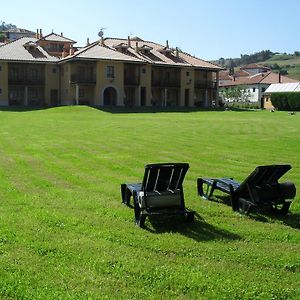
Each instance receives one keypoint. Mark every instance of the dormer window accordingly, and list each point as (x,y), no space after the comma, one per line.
(30,46)
(145,49)
(166,50)
(121,47)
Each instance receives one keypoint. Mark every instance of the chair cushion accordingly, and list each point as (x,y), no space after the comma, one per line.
(165,199)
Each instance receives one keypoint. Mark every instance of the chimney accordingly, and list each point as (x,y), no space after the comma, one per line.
(61,34)
(177,52)
(87,41)
(233,77)
(136,46)
(63,54)
(71,51)
(129,42)
(279,77)
(37,34)
(102,41)
(167,44)
(41,33)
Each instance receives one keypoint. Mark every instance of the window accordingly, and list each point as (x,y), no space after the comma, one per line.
(54,70)
(0,91)
(81,93)
(187,74)
(33,74)
(254,90)
(263,90)
(110,72)
(0,68)
(144,71)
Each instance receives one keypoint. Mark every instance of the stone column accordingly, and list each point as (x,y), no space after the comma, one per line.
(77,94)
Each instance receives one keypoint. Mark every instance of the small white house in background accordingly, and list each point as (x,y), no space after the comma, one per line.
(279,88)
(254,84)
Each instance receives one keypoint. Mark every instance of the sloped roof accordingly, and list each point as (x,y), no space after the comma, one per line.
(260,78)
(156,57)
(283,87)
(254,66)
(99,52)
(54,37)
(15,51)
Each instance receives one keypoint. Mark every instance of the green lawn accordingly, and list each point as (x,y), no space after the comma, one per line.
(64,233)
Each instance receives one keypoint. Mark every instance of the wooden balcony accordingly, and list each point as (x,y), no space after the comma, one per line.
(168,83)
(26,81)
(83,79)
(132,80)
(205,84)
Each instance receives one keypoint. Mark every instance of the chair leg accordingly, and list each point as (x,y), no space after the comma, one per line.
(208,191)
(139,217)
(282,209)
(189,216)
(126,194)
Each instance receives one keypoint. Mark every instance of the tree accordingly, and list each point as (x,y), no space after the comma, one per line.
(4,26)
(297,53)
(2,38)
(238,93)
(231,66)
(222,61)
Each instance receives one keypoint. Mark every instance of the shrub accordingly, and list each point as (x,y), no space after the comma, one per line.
(286,100)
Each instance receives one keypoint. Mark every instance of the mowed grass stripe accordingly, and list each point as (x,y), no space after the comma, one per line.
(65,234)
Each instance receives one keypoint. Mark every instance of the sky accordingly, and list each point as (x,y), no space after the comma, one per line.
(208,29)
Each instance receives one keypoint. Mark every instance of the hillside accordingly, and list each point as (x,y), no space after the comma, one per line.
(288,64)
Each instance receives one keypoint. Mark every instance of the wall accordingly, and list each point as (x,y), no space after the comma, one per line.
(67,91)
(102,81)
(187,83)
(51,81)
(145,81)
(4,83)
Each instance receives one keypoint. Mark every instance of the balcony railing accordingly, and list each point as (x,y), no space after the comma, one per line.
(166,83)
(26,81)
(132,80)
(205,84)
(81,78)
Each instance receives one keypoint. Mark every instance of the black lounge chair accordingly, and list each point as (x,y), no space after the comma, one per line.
(161,192)
(260,188)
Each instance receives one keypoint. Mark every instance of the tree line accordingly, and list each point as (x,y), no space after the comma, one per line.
(246,59)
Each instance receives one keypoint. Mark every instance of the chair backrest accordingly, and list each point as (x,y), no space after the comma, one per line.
(164,176)
(262,176)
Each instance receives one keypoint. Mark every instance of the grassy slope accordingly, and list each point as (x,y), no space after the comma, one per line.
(288,62)
(64,233)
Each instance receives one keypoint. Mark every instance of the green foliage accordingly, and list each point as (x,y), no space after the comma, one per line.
(2,38)
(286,100)
(64,233)
(4,26)
(235,93)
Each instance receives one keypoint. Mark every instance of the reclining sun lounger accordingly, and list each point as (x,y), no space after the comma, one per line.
(260,188)
(161,192)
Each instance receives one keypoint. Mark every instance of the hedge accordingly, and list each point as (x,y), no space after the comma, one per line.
(286,100)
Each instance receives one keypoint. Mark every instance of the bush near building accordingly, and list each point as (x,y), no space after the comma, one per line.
(286,101)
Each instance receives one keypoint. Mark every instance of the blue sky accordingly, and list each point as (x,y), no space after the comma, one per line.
(209,29)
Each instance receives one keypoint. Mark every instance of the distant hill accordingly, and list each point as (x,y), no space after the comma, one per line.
(287,64)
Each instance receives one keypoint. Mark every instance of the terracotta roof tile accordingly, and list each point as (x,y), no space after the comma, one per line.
(15,51)
(264,78)
(255,66)
(54,37)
